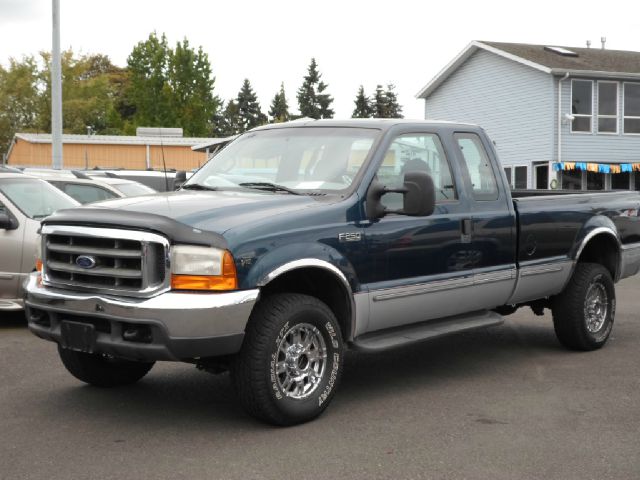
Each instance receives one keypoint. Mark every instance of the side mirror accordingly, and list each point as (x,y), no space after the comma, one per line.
(180,178)
(6,222)
(419,197)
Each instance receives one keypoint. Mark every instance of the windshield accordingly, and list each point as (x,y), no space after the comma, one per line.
(282,160)
(33,197)
(133,189)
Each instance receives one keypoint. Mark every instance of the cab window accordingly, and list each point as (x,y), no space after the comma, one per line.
(415,152)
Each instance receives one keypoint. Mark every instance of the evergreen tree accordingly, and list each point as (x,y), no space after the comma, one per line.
(363,105)
(279,110)
(249,108)
(228,123)
(378,103)
(313,101)
(393,108)
(385,103)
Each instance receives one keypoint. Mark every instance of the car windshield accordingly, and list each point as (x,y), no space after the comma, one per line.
(133,189)
(34,197)
(288,160)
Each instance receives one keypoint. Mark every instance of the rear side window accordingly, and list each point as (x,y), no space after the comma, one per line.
(476,161)
(85,193)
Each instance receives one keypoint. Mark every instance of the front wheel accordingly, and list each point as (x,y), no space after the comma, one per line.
(583,313)
(291,359)
(102,370)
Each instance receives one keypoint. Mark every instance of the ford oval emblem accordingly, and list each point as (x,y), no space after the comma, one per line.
(86,261)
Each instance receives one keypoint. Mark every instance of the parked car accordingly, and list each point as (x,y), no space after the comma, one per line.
(158,180)
(24,201)
(298,241)
(88,189)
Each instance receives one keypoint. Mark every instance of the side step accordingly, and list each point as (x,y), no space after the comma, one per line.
(418,332)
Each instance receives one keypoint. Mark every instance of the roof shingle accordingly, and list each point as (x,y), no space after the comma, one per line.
(588,59)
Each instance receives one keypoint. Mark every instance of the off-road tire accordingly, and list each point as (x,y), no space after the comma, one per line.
(102,371)
(570,317)
(258,384)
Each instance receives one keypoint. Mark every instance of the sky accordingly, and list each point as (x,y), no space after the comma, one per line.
(355,42)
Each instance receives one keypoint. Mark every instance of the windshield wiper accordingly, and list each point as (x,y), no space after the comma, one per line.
(197,186)
(272,187)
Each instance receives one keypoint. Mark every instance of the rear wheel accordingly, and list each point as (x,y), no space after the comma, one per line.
(583,313)
(103,370)
(291,359)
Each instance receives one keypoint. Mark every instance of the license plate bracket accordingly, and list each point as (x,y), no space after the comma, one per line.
(80,337)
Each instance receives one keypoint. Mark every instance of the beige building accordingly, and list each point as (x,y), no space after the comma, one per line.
(143,151)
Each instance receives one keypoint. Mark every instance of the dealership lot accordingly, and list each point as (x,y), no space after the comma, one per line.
(507,402)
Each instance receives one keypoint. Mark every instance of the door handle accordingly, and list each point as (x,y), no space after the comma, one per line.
(466,229)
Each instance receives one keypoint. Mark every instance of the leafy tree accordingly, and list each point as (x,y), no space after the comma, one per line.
(149,89)
(313,101)
(279,110)
(363,105)
(88,94)
(193,102)
(19,99)
(249,108)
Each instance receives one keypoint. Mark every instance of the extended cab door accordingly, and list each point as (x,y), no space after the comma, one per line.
(492,229)
(418,268)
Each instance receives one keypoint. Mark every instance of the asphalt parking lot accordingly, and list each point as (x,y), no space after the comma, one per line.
(504,403)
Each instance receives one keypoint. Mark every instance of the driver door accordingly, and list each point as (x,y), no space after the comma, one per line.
(420,268)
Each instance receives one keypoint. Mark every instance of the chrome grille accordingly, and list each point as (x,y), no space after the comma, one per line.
(115,261)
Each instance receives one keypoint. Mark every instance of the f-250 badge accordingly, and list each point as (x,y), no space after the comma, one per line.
(349,237)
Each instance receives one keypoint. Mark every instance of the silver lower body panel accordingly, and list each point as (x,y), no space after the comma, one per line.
(185,325)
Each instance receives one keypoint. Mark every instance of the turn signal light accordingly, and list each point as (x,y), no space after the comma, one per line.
(227,280)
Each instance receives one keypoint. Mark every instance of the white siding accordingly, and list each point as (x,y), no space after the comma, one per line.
(596,147)
(512,102)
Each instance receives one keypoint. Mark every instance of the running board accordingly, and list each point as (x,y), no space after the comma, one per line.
(418,332)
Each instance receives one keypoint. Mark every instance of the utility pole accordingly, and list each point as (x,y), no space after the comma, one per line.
(56,90)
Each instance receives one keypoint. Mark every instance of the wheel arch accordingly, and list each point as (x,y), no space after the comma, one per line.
(601,245)
(303,276)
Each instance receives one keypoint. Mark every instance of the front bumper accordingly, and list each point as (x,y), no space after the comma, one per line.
(176,326)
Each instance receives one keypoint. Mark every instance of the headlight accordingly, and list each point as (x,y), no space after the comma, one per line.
(202,268)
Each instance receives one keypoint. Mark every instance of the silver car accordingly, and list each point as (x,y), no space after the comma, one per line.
(24,201)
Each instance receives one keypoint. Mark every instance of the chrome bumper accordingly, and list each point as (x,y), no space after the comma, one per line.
(182,325)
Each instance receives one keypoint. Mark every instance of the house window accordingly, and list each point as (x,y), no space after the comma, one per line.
(632,108)
(581,105)
(517,176)
(572,180)
(595,181)
(507,172)
(621,181)
(607,107)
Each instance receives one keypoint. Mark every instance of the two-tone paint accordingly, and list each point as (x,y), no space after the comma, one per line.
(469,255)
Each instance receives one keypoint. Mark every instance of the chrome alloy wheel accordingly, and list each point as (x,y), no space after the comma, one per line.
(302,360)
(596,306)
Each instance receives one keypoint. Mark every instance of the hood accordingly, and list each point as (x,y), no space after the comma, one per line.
(216,211)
